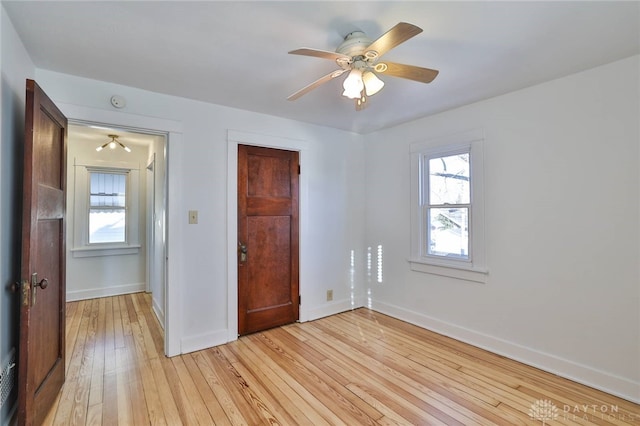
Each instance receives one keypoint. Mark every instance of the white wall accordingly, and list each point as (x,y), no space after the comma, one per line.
(562,229)
(16,66)
(335,174)
(99,276)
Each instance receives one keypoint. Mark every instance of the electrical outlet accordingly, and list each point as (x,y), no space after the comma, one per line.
(193,217)
(329,295)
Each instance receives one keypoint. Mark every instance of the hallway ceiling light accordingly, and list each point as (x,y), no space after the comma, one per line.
(113,143)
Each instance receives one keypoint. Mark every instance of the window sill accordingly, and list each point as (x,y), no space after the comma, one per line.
(465,272)
(105,251)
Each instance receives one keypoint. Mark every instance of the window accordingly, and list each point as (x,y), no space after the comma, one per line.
(447,204)
(107,207)
(447,218)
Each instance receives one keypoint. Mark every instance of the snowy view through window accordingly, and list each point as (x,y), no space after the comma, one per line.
(449,205)
(107,211)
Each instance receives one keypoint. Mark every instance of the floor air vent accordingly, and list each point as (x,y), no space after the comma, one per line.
(7,376)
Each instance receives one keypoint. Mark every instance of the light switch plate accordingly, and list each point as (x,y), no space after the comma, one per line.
(193,217)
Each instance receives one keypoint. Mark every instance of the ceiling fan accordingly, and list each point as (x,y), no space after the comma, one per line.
(360,57)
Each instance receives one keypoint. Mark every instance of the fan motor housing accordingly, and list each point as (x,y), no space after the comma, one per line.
(354,44)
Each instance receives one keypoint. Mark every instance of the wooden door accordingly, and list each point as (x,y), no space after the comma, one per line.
(41,367)
(268,232)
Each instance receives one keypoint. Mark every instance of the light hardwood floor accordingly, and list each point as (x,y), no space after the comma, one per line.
(354,368)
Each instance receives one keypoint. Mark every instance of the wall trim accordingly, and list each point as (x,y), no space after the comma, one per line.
(332,308)
(203,341)
(116,290)
(157,310)
(606,382)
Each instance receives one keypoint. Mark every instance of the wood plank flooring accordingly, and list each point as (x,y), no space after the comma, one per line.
(355,368)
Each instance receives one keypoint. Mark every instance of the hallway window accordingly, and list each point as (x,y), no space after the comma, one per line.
(107,218)
(107,207)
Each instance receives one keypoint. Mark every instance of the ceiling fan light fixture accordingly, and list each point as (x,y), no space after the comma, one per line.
(372,83)
(354,44)
(358,55)
(353,84)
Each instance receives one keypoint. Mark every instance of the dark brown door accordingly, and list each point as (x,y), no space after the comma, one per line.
(267,238)
(42,313)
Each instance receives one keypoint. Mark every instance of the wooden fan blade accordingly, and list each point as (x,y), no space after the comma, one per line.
(396,35)
(411,72)
(324,54)
(315,84)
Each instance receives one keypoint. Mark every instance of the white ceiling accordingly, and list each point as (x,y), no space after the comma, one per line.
(234,53)
(97,136)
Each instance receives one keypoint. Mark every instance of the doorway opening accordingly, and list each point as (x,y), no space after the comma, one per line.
(119,192)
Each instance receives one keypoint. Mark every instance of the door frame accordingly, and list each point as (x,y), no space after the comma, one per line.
(150,201)
(173,145)
(235,138)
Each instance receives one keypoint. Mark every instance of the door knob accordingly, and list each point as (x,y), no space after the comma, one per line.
(43,283)
(243,252)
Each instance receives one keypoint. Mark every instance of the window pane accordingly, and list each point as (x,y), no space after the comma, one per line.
(449,180)
(448,232)
(107,226)
(107,207)
(108,189)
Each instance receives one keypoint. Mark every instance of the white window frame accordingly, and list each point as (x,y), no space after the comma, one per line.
(474,267)
(82,187)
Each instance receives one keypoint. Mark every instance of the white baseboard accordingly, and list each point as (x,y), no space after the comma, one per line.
(332,308)
(94,293)
(157,309)
(615,385)
(325,310)
(203,341)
